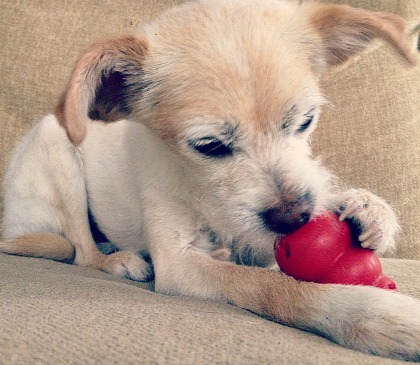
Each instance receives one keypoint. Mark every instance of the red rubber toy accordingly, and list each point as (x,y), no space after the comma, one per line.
(324,251)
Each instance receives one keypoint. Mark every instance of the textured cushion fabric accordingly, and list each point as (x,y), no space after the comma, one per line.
(52,313)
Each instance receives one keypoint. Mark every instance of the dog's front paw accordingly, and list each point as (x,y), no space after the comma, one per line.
(375,219)
(126,264)
(376,322)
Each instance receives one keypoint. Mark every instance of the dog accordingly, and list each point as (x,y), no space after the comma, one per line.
(187,146)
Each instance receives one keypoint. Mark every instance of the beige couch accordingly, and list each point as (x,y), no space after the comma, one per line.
(53,313)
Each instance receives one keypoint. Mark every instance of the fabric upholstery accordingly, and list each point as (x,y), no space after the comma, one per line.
(53,313)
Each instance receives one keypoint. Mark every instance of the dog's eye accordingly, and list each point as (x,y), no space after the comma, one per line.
(211,147)
(306,124)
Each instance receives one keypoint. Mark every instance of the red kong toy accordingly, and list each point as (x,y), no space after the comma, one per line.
(324,251)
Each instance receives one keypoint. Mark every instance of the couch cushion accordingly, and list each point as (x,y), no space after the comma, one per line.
(53,313)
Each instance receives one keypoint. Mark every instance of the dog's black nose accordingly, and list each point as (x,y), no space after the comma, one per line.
(288,217)
(276,221)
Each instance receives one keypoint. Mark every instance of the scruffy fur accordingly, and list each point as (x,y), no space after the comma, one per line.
(190,143)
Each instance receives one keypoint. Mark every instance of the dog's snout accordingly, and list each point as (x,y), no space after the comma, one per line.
(277,221)
(288,217)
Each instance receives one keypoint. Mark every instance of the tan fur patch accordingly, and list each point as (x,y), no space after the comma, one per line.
(272,294)
(345,30)
(47,245)
(118,53)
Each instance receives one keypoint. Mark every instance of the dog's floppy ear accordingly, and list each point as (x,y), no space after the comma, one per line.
(344,31)
(103,84)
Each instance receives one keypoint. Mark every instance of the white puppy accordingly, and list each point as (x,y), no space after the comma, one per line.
(212,164)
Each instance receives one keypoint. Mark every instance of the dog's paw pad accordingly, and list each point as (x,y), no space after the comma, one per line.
(126,264)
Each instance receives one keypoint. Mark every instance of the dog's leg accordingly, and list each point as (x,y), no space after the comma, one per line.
(71,237)
(46,212)
(374,218)
(75,227)
(364,318)
(121,263)
(74,240)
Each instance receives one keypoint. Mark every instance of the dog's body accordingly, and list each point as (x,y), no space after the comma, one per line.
(213,165)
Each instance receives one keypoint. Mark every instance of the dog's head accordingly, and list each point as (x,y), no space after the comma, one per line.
(232,86)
